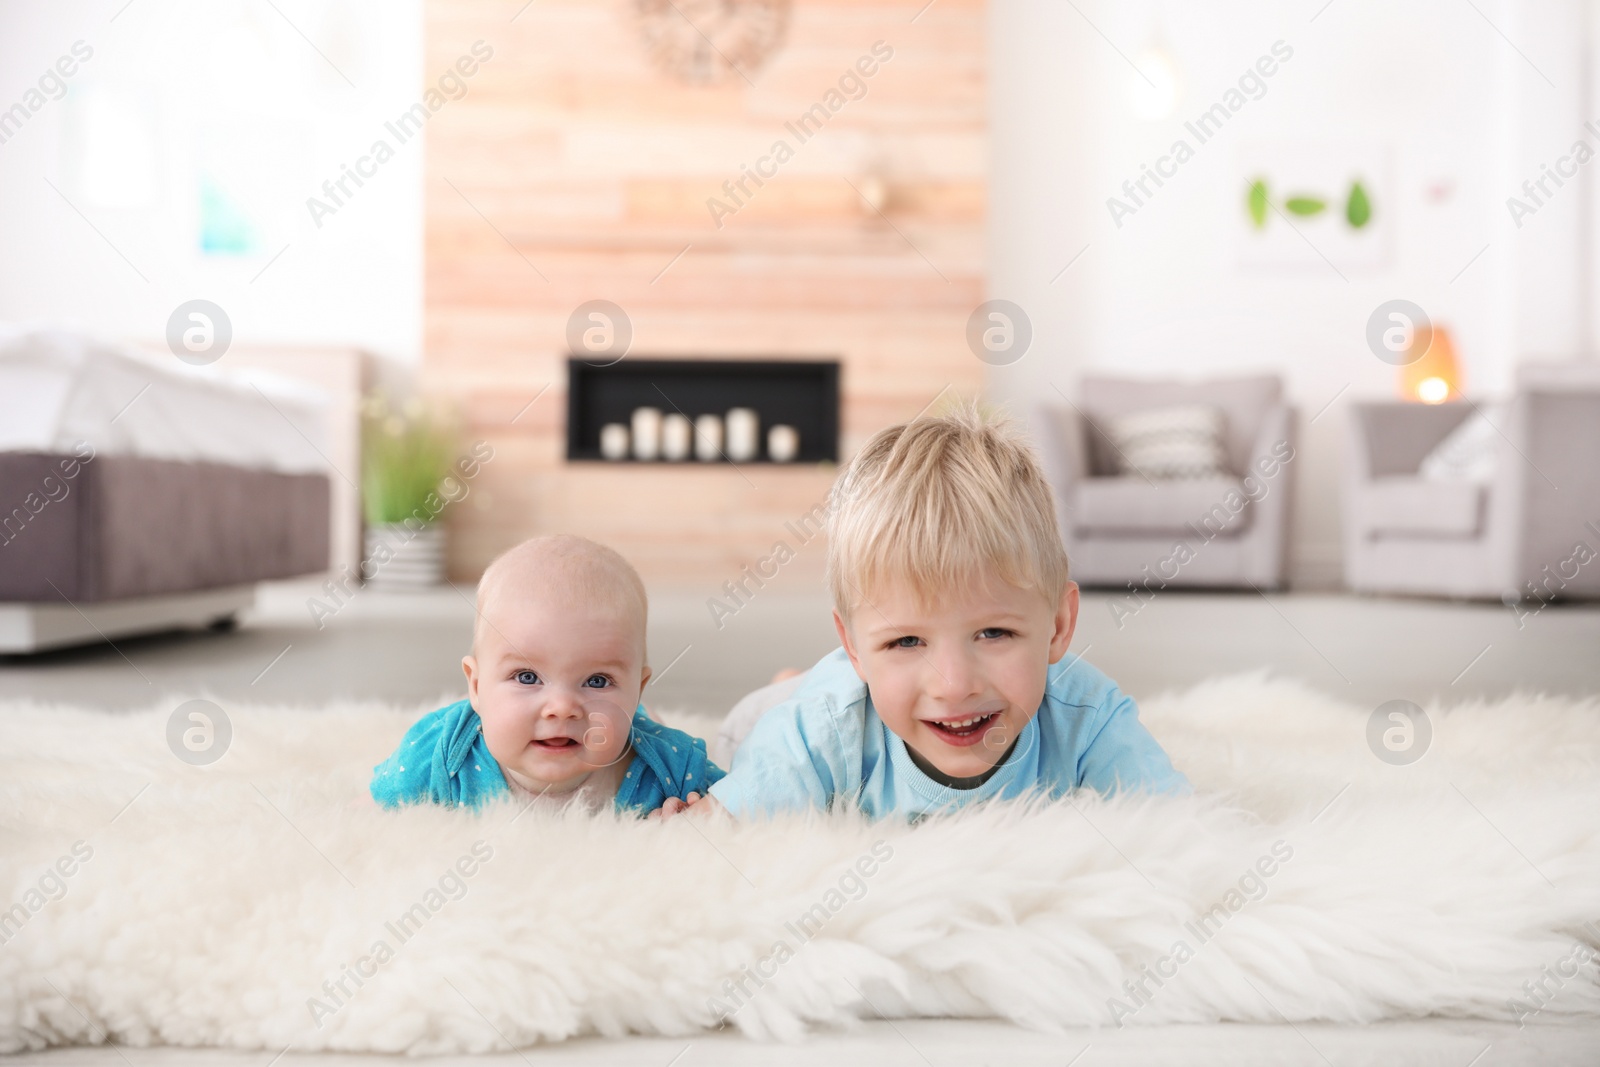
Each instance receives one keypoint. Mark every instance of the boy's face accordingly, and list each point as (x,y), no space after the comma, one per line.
(958,679)
(555,684)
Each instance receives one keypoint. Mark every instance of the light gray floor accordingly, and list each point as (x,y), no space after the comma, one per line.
(407,648)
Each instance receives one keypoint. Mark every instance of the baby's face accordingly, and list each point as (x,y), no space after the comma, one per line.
(958,680)
(556,685)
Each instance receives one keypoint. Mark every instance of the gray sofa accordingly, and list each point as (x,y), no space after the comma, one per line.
(1219,532)
(1531,532)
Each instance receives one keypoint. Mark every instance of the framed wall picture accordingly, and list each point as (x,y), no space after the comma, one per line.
(1308,204)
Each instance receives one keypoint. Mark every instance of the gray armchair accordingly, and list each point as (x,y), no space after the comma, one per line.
(1214,532)
(1531,531)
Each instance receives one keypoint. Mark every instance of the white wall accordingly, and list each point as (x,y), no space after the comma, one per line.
(1463,119)
(230,87)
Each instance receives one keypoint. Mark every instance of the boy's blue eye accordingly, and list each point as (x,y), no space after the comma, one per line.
(906,642)
(596,681)
(991,632)
(527,678)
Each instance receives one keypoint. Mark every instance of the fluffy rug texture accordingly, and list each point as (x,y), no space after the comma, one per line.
(263,902)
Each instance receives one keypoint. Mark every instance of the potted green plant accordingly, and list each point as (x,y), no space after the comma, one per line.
(406,451)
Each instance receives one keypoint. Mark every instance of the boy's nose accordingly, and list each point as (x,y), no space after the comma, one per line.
(952,677)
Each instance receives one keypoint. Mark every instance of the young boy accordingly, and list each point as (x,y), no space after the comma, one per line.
(553,683)
(954,608)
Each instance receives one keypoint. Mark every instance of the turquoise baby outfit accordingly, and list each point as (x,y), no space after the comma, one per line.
(826,745)
(443,759)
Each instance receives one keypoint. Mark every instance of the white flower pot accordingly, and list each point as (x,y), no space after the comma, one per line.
(415,558)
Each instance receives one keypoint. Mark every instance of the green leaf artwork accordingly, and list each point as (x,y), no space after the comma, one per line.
(1258,202)
(1357,209)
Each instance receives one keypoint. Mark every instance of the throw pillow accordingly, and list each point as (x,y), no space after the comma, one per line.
(1467,454)
(1175,442)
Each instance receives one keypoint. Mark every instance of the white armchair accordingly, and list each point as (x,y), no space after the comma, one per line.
(1119,530)
(1532,531)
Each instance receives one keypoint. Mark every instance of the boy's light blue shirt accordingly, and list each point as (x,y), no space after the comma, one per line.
(826,744)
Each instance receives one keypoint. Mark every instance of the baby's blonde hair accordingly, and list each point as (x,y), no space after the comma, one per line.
(942,502)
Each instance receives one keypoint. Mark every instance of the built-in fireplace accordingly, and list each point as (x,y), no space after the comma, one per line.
(703,411)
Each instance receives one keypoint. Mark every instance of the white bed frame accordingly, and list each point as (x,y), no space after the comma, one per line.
(26,628)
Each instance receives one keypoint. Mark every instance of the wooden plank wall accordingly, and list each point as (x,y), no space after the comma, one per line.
(573,169)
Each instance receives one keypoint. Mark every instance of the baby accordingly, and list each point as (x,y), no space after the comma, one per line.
(553,684)
(954,609)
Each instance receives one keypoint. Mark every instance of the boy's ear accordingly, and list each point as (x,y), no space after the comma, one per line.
(843,630)
(1066,621)
(644,677)
(469,666)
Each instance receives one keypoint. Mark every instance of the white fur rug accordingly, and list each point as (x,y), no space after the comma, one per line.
(260,902)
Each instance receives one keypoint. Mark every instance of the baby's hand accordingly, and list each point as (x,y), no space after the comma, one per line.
(672,806)
(697,805)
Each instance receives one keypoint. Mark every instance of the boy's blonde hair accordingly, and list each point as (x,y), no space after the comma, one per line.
(943,501)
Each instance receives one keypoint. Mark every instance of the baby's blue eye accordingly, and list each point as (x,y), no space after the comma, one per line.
(596,681)
(992,632)
(906,642)
(527,678)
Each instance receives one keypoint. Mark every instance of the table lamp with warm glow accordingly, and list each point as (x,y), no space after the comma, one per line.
(1435,376)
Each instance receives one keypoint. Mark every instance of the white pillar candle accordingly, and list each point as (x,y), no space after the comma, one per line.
(646,433)
(675,434)
(744,429)
(708,437)
(783,443)
(614,441)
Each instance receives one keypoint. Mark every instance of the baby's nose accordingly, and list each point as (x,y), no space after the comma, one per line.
(562,705)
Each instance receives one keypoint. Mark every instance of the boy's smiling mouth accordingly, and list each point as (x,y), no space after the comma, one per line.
(965,731)
(556,744)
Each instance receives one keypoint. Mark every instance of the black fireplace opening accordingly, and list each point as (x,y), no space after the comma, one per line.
(803,394)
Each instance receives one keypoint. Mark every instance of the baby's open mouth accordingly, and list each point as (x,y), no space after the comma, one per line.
(964,729)
(557,743)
